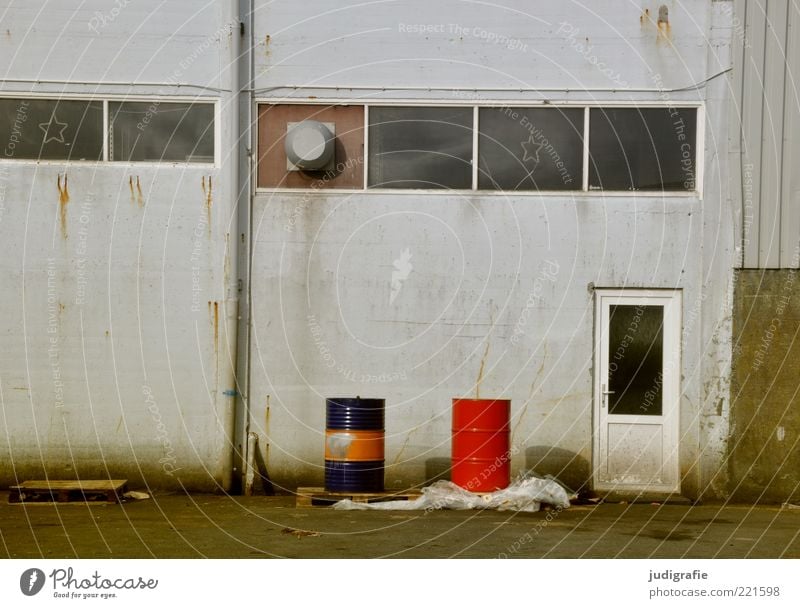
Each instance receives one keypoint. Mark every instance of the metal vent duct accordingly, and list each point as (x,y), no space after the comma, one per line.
(309,145)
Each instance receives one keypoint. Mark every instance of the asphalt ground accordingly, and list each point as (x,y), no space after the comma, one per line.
(219,526)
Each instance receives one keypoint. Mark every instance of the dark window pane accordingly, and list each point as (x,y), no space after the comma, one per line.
(420,148)
(48,129)
(635,358)
(530,149)
(161,131)
(642,149)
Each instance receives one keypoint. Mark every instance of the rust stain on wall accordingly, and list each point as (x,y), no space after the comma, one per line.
(227,262)
(485,354)
(63,199)
(480,370)
(130,184)
(660,23)
(266,431)
(208,193)
(664,28)
(139,196)
(215,323)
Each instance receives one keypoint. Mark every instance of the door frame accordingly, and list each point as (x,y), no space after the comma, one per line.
(672,300)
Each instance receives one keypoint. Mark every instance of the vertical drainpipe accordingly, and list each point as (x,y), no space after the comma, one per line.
(243,146)
(227,358)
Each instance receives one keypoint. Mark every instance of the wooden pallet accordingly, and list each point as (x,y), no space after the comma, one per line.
(320,497)
(89,490)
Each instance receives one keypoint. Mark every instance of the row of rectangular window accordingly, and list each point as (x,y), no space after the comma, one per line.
(529,149)
(140,131)
(410,147)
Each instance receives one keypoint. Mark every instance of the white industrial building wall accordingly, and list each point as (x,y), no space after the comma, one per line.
(117,324)
(322,263)
(323,323)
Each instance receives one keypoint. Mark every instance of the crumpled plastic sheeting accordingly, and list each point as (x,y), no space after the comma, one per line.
(525,495)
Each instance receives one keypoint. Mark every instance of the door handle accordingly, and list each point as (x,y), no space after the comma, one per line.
(605,394)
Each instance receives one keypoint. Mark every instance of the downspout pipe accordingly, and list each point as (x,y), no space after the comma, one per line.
(227,360)
(242,146)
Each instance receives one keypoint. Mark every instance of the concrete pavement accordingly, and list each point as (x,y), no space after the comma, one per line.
(201,525)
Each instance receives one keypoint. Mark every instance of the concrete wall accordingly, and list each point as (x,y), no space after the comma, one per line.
(109,367)
(764,457)
(323,324)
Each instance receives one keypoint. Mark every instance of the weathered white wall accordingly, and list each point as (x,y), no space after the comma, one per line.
(453,43)
(480,264)
(322,263)
(120,41)
(323,324)
(711,315)
(125,379)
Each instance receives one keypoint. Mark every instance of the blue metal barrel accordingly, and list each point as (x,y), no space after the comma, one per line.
(355,414)
(341,476)
(354,446)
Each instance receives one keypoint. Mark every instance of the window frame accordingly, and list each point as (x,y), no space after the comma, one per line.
(215,101)
(473,164)
(699,145)
(583,191)
(584,139)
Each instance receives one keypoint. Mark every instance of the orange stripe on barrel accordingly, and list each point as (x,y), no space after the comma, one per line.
(353,445)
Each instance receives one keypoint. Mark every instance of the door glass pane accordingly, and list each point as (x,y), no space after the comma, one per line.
(161,132)
(49,129)
(530,149)
(420,147)
(635,360)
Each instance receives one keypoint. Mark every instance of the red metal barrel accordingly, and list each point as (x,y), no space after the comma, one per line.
(481,450)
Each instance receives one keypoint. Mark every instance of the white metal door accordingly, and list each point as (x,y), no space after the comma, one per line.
(637,390)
